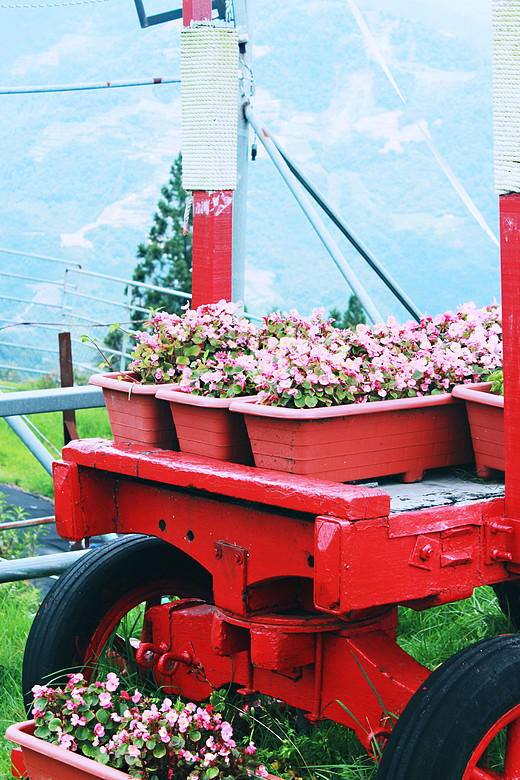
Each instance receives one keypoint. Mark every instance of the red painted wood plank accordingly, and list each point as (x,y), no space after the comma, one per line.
(510,261)
(195,10)
(212,246)
(287,491)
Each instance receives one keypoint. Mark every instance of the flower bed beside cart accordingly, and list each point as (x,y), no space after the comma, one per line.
(101,730)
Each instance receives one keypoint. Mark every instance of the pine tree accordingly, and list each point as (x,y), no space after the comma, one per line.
(354,315)
(165,257)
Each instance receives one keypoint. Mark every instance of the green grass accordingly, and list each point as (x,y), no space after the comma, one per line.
(18,603)
(19,467)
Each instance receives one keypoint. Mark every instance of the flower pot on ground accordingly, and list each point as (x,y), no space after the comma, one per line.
(486,418)
(359,441)
(45,761)
(83,728)
(136,416)
(205,426)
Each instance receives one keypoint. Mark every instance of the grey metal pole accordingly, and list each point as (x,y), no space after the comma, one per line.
(242,23)
(81,87)
(303,200)
(39,566)
(55,399)
(31,441)
(350,236)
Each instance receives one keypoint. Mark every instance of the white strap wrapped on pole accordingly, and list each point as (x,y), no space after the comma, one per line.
(506,95)
(209,98)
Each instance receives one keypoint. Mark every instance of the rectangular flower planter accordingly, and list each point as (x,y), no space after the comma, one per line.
(360,441)
(486,419)
(44,761)
(136,416)
(205,426)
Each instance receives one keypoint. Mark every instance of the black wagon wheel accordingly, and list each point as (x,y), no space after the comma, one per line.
(464,721)
(94,612)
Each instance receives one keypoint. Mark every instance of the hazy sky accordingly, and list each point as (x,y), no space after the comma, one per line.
(140,128)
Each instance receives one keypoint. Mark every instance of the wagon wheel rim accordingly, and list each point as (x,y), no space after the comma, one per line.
(123,650)
(511,770)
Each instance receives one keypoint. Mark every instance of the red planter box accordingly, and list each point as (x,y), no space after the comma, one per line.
(44,761)
(205,426)
(486,419)
(360,441)
(136,416)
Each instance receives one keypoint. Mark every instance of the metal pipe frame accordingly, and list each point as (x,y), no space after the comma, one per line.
(38,566)
(311,214)
(350,236)
(58,399)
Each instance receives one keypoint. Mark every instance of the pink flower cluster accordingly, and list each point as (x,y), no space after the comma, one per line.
(303,362)
(147,738)
(387,360)
(209,337)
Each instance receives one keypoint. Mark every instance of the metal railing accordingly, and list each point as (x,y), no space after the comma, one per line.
(68,297)
(37,402)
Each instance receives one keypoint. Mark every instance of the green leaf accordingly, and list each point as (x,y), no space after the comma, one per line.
(102,715)
(212,772)
(82,732)
(42,732)
(417,375)
(159,751)
(88,750)
(41,704)
(311,401)
(195,735)
(54,724)
(299,402)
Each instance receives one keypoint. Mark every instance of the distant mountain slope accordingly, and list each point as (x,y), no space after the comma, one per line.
(81,172)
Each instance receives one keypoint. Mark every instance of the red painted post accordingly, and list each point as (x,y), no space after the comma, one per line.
(510,261)
(196,11)
(212,217)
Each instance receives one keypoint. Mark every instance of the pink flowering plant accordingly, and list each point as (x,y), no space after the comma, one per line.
(322,366)
(305,362)
(143,736)
(209,339)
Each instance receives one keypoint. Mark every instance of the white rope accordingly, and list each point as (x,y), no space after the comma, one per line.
(506,95)
(209,98)
(446,169)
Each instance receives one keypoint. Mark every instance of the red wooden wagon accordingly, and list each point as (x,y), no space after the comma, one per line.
(290,585)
